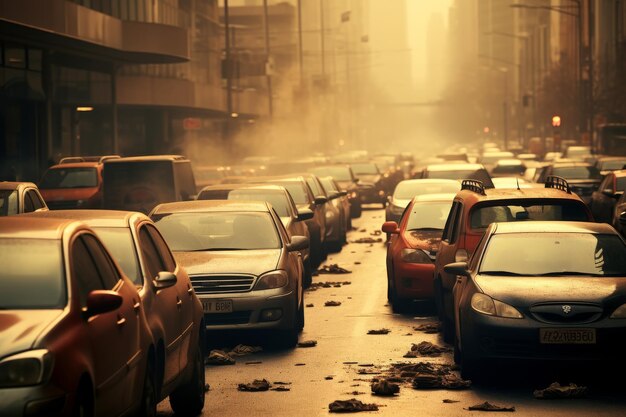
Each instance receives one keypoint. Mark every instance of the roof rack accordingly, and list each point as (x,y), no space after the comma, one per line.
(473,185)
(557,183)
(98,159)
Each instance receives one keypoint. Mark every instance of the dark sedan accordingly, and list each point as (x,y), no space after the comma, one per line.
(542,291)
(582,177)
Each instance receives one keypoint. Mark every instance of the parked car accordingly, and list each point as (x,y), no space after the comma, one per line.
(457,172)
(475,207)
(140,183)
(173,311)
(413,248)
(604,200)
(209,175)
(578,153)
(75,338)
(582,177)
(20,197)
(606,164)
(344,175)
(508,167)
(280,199)
(408,189)
(339,199)
(489,159)
(245,269)
(541,290)
(372,188)
(75,182)
(513,182)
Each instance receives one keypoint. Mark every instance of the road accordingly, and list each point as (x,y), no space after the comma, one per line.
(320,375)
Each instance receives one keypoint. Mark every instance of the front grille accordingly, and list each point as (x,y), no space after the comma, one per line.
(62,204)
(574,318)
(236,317)
(219,284)
(565,313)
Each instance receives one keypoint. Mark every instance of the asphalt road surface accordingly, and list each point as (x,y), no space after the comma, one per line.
(330,370)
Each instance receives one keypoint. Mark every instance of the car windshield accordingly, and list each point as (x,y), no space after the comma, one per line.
(69,178)
(613,165)
(32,274)
(189,232)
(482,216)
(278,200)
(297,190)
(119,241)
(462,174)
(338,173)
(406,190)
(428,215)
(328,184)
(366,169)
(8,202)
(621,184)
(577,172)
(554,254)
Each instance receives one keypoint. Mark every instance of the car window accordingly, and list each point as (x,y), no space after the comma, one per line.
(428,215)
(456,225)
(69,178)
(29,206)
(473,263)
(621,184)
(85,271)
(213,194)
(162,248)
(281,228)
(108,272)
(447,230)
(298,191)
(150,254)
(8,202)
(483,215)
(577,172)
(121,245)
(606,183)
(37,202)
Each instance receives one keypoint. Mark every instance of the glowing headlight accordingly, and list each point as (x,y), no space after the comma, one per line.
(620,312)
(484,304)
(27,368)
(415,256)
(274,279)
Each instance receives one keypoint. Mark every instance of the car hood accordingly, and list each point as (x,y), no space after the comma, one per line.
(254,262)
(427,240)
(19,329)
(524,291)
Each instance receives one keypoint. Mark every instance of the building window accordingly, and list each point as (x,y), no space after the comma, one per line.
(15,56)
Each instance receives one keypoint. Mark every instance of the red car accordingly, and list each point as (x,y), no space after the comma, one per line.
(75,339)
(413,247)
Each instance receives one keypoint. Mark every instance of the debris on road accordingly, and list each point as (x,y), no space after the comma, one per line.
(379,331)
(329,378)
(357,263)
(448,401)
(332,303)
(253,363)
(487,406)
(556,390)
(350,406)
(219,357)
(300,364)
(428,328)
(366,371)
(376,233)
(327,284)
(367,365)
(426,349)
(255,386)
(307,343)
(207,387)
(281,383)
(368,240)
(243,350)
(385,388)
(356,393)
(333,269)
(280,389)
(363,230)
(350,363)
(310,305)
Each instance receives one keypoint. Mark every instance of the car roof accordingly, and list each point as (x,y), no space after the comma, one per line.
(496,194)
(76,165)
(429,181)
(621,173)
(253,186)
(570,163)
(510,162)
(434,197)
(23,227)
(200,206)
(147,158)
(93,218)
(552,227)
(14,185)
(454,167)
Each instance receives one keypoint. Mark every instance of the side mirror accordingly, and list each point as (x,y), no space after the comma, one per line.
(319,200)
(164,279)
(456,268)
(101,302)
(333,195)
(305,214)
(342,193)
(298,243)
(622,219)
(608,192)
(391,228)
(461,255)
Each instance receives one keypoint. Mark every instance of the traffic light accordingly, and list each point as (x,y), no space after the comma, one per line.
(556,121)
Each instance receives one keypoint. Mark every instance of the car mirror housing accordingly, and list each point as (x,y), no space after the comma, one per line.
(342,193)
(319,200)
(305,214)
(391,228)
(457,268)
(101,302)
(164,279)
(298,243)
(461,255)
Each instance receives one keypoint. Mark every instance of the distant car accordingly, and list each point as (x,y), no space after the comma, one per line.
(246,270)
(371,183)
(343,174)
(339,199)
(475,207)
(75,182)
(582,177)
(489,159)
(75,339)
(527,156)
(408,189)
(413,248)
(606,164)
(20,197)
(172,309)
(604,200)
(508,167)
(541,290)
(578,153)
(209,175)
(457,172)
(551,156)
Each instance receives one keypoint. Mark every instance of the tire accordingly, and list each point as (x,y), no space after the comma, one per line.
(301,315)
(188,399)
(471,368)
(148,395)
(307,279)
(84,406)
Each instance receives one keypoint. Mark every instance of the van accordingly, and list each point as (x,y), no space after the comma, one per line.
(141,183)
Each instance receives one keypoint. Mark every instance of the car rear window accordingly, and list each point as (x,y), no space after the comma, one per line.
(577,172)
(612,165)
(482,216)
(55,178)
(407,190)
(297,190)
(32,274)
(8,202)
(455,174)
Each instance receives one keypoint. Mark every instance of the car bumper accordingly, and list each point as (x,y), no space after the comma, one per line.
(45,400)
(486,337)
(248,308)
(413,281)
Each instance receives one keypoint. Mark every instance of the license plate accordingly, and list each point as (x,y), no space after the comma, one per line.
(217,306)
(567,336)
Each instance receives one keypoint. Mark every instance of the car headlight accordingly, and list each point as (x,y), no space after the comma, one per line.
(27,368)
(415,256)
(274,279)
(352,194)
(619,313)
(484,304)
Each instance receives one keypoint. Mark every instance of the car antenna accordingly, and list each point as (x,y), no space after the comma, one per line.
(517,180)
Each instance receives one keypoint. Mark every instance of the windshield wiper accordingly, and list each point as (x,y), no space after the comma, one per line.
(505,273)
(214,249)
(576,273)
(424,229)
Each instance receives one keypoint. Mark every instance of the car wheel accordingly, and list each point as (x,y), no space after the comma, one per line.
(83,407)
(308,274)
(301,315)
(148,395)
(188,399)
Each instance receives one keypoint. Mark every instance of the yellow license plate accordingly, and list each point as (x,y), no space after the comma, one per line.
(217,306)
(567,336)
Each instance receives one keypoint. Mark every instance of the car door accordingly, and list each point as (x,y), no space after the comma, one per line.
(602,205)
(112,336)
(165,305)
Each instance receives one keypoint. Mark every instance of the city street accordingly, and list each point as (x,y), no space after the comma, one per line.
(329,371)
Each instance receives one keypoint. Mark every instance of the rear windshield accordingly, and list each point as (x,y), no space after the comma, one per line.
(428,215)
(470,174)
(483,215)
(276,199)
(577,173)
(407,190)
(338,173)
(613,165)
(32,274)
(554,254)
(119,241)
(8,202)
(297,190)
(214,231)
(509,169)
(55,178)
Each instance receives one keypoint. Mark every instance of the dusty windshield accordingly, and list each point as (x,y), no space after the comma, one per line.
(69,178)
(8,202)
(482,216)
(428,215)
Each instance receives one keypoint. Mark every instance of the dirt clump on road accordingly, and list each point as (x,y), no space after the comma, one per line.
(426,349)
(385,388)
(332,303)
(487,406)
(556,390)
(379,331)
(219,357)
(307,343)
(350,406)
(428,328)
(255,386)
(333,269)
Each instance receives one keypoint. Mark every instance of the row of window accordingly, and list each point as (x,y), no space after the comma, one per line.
(20,57)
